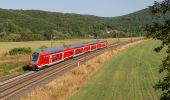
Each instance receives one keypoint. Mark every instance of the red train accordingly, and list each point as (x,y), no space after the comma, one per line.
(49,56)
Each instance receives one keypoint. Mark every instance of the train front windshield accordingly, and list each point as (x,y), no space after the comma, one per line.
(35,57)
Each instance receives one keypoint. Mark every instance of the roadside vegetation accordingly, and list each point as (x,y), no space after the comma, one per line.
(71,81)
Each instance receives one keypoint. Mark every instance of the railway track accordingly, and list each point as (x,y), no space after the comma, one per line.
(15,85)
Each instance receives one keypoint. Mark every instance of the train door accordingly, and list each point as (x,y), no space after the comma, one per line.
(51,59)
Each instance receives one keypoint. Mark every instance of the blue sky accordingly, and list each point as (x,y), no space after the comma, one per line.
(105,8)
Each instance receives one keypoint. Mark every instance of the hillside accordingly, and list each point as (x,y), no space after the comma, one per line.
(16,25)
(39,24)
(134,21)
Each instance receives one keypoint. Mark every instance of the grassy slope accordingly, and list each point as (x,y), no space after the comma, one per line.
(129,75)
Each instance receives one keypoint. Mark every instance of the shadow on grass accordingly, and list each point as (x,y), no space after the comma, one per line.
(26,68)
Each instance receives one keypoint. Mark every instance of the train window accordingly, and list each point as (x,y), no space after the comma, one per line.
(55,59)
(35,57)
(71,51)
(77,52)
(93,47)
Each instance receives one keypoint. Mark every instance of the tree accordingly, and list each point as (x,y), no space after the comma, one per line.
(161,31)
(14,37)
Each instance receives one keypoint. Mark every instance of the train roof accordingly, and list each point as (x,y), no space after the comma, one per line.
(95,41)
(103,40)
(78,45)
(51,50)
(61,48)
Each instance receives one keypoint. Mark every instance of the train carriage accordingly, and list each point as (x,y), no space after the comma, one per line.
(78,49)
(93,45)
(49,56)
(103,43)
(68,52)
(87,47)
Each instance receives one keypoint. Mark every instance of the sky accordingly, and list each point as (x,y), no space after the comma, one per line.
(103,8)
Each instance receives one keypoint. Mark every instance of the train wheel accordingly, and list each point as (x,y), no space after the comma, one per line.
(34,68)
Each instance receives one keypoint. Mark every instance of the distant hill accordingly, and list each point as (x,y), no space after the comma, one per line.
(40,24)
(134,21)
(19,25)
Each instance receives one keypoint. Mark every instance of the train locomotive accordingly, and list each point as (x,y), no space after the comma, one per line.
(50,56)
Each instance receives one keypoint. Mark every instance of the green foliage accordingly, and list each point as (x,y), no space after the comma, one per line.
(12,67)
(18,51)
(14,37)
(134,22)
(161,31)
(39,25)
(43,47)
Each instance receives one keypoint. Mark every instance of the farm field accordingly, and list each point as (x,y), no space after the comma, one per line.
(5,46)
(12,64)
(128,76)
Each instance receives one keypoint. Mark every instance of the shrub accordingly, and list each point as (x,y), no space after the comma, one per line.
(20,51)
(43,47)
(14,37)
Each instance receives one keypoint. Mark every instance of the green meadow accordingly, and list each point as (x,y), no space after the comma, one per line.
(130,75)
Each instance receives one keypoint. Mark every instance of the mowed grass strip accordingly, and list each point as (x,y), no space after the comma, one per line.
(128,76)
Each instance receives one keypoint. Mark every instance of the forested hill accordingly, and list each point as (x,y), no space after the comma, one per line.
(19,25)
(134,21)
(36,25)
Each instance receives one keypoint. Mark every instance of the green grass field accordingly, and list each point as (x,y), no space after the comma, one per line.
(128,76)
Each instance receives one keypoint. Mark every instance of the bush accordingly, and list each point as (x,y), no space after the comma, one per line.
(43,47)
(20,51)
(14,37)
